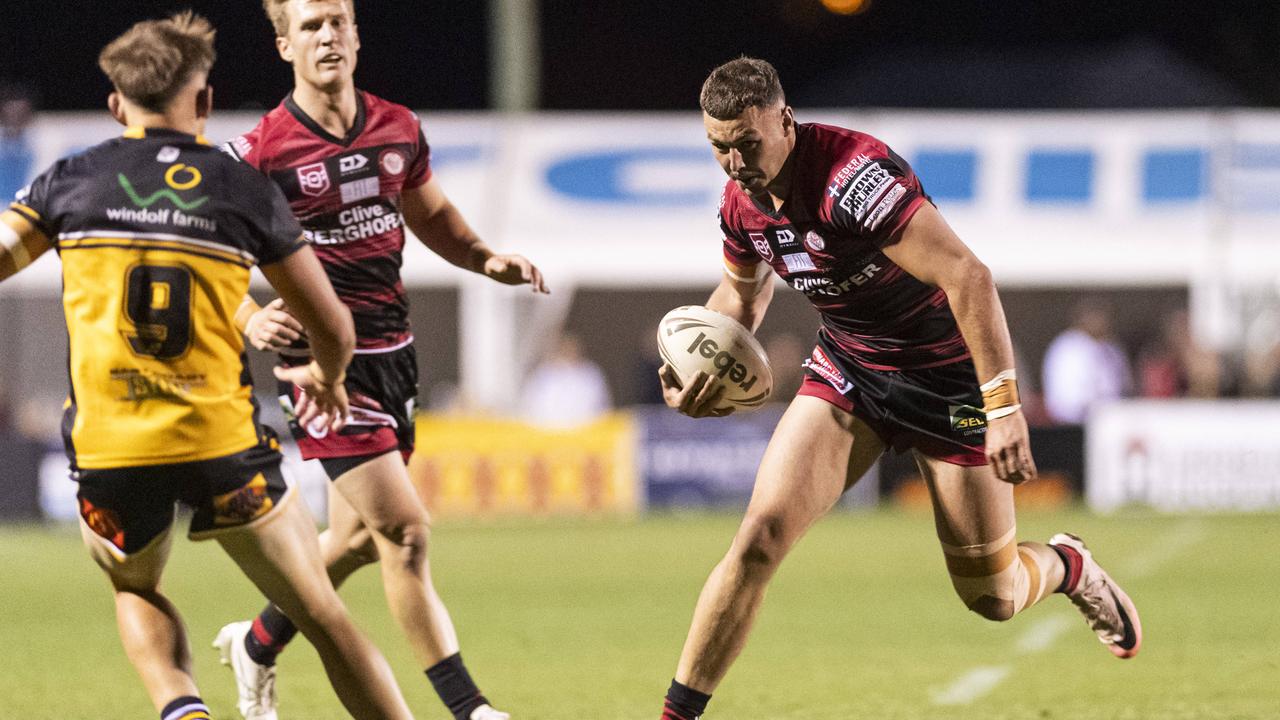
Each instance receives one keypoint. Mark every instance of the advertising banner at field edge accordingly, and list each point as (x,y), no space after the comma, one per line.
(712,462)
(1184,455)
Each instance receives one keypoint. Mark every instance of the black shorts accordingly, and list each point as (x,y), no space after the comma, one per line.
(130,507)
(383,390)
(937,410)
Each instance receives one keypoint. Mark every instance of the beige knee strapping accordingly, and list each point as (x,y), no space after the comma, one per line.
(997,579)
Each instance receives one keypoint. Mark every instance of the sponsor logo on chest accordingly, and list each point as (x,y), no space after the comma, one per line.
(348,164)
(357,223)
(814,286)
(814,241)
(392,162)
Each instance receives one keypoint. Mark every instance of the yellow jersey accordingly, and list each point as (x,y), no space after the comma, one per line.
(157,232)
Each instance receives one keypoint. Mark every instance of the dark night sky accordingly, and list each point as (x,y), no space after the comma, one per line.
(623,54)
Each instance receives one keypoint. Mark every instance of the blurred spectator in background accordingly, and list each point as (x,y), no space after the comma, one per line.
(1262,371)
(16,155)
(1261,376)
(566,389)
(786,352)
(1177,366)
(1084,365)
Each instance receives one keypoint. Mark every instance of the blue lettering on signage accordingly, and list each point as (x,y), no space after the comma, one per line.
(1174,175)
(601,177)
(947,174)
(1059,176)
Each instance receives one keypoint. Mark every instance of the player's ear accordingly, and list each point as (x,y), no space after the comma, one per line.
(204,102)
(788,120)
(284,48)
(116,109)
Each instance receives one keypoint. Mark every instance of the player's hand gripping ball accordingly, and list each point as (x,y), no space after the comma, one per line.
(692,338)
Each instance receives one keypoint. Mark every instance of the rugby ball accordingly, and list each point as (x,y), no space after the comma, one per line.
(693,338)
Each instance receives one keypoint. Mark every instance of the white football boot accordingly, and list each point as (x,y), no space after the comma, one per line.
(256,684)
(1106,607)
(485,712)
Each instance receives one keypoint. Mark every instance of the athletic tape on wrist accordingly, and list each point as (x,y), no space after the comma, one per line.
(1000,392)
(1005,411)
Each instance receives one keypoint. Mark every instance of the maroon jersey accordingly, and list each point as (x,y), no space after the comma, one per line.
(850,196)
(345,192)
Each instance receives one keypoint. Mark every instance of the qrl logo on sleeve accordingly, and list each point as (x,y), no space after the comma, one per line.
(722,360)
(313,179)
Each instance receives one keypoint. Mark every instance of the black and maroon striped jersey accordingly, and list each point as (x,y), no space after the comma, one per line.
(850,196)
(345,191)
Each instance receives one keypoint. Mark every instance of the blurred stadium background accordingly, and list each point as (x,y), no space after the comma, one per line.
(1118,167)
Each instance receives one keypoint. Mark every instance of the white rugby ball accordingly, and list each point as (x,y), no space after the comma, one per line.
(693,338)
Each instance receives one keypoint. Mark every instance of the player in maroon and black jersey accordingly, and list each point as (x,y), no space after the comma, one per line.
(356,170)
(913,353)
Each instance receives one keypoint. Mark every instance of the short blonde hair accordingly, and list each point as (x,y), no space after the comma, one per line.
(278,13)
(154,59)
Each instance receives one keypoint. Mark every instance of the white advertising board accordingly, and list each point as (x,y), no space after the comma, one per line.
(1044,198)
(1184,455)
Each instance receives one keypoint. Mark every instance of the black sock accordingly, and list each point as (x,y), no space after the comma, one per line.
(189,707)
(270,633)
(684,703)
(455,687)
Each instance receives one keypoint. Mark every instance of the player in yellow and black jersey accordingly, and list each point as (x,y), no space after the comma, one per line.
(157,232)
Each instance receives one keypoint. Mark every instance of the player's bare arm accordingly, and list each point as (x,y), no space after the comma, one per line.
(930,250)
(440,226)
(21,243)
(743,294)
(303,286)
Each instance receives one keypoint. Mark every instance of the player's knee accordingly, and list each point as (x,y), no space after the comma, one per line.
(990,601)
(408,543)
(992,608)
(762,541)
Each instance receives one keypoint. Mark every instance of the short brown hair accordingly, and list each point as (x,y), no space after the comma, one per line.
(739,84)
(278,13)
(152,60)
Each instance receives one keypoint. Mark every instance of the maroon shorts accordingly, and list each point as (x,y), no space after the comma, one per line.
(383,391)
(936,410)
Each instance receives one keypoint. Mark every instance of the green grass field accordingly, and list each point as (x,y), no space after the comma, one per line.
(585,619)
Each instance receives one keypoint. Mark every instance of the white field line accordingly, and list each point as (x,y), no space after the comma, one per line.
(971,685)
(1043,633)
